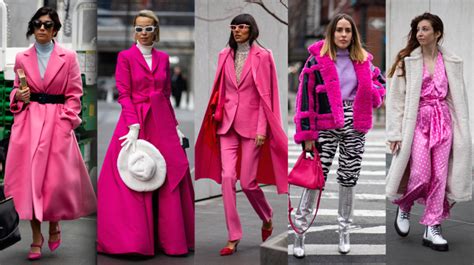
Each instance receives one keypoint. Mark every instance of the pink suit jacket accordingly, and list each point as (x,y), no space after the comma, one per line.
(273,163)
(243,109)
(44,171)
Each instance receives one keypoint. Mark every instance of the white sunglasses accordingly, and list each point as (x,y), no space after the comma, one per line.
(139,29)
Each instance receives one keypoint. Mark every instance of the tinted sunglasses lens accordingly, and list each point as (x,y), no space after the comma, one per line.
(242,27)
(48,24)
(233,27)
(138,29)
(37,24)
(150,29)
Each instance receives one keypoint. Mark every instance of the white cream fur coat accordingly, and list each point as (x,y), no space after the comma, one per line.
(402,109)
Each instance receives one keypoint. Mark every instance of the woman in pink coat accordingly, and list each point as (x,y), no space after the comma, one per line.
(245,104)
(44,172)
(126,219)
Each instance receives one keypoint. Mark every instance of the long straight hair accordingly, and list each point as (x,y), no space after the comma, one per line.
(356,52)
(413,43)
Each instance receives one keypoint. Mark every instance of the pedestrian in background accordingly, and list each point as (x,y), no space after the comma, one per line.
(338,88)
(126,219)
(179,84)
(246,107)
(428,131)
(45,173)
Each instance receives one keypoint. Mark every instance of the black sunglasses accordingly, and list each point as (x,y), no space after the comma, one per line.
(47,24)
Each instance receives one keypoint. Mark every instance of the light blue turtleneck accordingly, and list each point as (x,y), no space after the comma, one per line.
(43,52)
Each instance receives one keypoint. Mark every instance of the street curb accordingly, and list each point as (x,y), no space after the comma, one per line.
(275,250)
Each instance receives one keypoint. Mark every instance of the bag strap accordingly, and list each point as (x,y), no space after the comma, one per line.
(290,209)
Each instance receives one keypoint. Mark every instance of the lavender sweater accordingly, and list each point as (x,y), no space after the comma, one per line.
(346,74)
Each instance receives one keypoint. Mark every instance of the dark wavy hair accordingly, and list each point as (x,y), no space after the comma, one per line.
(413,43)
(248,20)
(43,11)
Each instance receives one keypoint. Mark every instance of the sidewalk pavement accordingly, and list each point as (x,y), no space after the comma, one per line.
(458,230)
(211,232)
(77,245)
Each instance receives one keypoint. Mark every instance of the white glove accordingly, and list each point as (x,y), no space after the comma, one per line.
(180,135)
(131,137)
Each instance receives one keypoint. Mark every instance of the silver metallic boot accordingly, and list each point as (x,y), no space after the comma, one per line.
(302,218)
(344,218)
(298,246)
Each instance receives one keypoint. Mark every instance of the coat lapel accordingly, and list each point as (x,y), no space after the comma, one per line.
(55,64)
(33,77)
(247,65)
(254,62)
(414,77)
(230,68)
(141,60)
(155,60)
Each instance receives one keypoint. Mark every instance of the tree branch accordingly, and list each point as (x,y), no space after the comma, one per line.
(260,3)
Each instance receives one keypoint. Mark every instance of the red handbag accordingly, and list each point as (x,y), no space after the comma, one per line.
(307,173)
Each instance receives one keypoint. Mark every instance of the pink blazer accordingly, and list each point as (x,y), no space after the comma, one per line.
(45,172)
(243,109)
(273,163)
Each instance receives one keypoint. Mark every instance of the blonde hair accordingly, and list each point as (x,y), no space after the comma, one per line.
(356,52)
(156,21)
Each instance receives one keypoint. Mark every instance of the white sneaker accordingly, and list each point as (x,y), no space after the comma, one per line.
(432,238)
(402,222)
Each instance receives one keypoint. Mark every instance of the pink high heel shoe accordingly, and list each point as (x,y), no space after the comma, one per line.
(53,245)
(33,255)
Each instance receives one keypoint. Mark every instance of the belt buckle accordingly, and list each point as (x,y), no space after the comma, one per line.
(41,99)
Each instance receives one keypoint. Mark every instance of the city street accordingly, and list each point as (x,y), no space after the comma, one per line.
(368,228)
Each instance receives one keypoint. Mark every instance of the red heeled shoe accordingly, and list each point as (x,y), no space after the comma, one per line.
(33,255)
(53,245)
(229,251)
(266,233)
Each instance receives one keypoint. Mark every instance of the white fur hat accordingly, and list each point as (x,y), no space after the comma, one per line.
(144,169)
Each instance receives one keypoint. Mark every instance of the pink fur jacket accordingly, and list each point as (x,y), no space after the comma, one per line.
(319,102)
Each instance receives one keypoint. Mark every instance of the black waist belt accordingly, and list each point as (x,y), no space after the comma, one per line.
(47,98)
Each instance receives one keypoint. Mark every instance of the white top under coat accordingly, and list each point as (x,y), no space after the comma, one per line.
(146,51)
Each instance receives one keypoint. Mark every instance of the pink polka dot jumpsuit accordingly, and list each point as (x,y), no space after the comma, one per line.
(430,150)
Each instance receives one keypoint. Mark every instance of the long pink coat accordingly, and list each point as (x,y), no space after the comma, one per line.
(273,163)
(125,218)
(45,172)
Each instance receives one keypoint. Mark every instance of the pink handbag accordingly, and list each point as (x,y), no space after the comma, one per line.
(307,173)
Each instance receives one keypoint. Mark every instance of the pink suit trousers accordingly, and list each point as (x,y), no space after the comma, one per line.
(248,180)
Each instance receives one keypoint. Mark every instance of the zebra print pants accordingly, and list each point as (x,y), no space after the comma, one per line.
(351,147)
